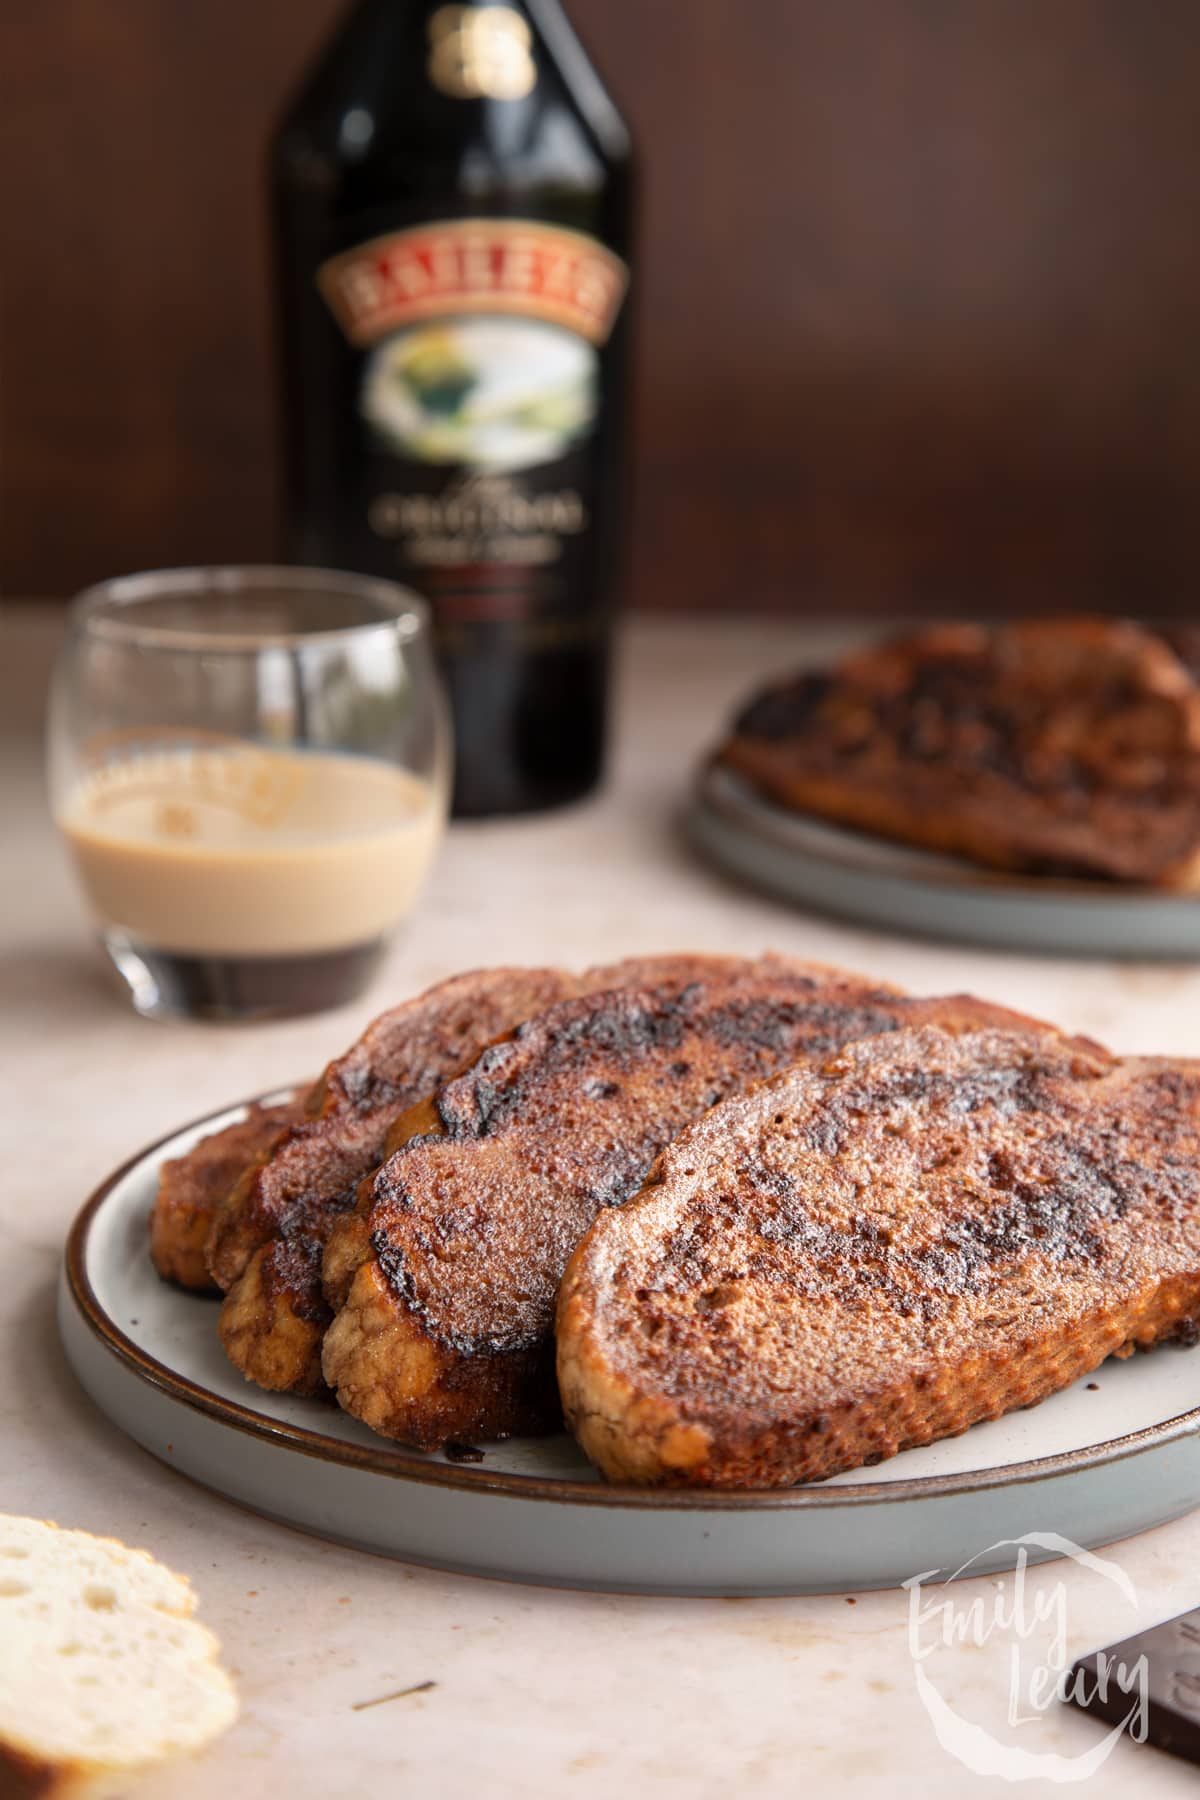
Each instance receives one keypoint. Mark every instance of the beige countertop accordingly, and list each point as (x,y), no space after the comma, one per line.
(536,1693)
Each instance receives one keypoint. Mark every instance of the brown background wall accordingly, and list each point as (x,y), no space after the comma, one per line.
(920,293)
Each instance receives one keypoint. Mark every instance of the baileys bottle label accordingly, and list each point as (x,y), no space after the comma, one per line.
(479,390)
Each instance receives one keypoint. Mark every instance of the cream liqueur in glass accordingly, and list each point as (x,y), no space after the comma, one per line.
(262,869)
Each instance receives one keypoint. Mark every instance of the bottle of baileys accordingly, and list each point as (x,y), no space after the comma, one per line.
(452,197)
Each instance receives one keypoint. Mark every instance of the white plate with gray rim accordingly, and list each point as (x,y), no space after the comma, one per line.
(855,876)
(1114,1454)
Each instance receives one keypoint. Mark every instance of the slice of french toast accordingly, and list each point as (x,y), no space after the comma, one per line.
(396,1060)
(266,1248)
(880,1248)
(449,1267)
(266,1244)
(1062,746)
(193,1187)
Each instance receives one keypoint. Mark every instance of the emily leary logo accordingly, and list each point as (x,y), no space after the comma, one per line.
(1028,1614)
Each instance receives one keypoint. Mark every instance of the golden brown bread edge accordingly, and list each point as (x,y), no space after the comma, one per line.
(396,1059)
(880,1250)
(265,1249)
(444,1277)
(268,1246)
(1091,768)
(26,1777)
(193,1188)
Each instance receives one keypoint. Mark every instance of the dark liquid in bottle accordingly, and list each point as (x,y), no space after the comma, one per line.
(452,198)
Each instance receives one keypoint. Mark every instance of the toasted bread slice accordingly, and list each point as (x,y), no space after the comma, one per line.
(267,1247)
(347,1244)
(879,1249)
(1067,747)
(192,1189)
(394,1063)
(102,1668)
(451,1273)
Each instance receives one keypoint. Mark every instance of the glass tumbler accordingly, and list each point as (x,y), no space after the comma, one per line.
(250,767)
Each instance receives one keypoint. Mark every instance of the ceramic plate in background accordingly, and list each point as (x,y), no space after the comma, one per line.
(854,876)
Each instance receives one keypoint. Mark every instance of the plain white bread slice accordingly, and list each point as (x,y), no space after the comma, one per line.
(102,1668)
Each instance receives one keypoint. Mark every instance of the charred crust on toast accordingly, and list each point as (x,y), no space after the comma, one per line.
(467,1232)
(281,1215)
(778,713)
(192,1189)
(988,1218)
(1064,747)
(287,1206)
(626,1029)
